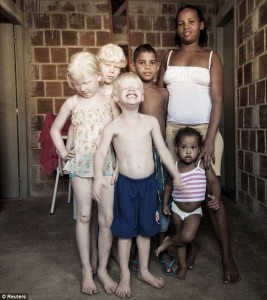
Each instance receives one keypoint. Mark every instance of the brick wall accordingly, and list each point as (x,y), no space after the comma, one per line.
(51,38)
(251,42)
(153,22)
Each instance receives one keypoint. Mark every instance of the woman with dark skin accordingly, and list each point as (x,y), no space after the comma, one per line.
(194,79)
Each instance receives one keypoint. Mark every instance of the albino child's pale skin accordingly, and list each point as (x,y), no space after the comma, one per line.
(132,135)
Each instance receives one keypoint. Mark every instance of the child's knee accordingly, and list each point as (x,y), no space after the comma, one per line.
(105,221)
(84,217)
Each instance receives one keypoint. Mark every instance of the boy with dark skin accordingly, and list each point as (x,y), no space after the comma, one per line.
(145,65)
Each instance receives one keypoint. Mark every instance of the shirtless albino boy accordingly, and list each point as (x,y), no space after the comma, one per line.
(145,65)
(135,199)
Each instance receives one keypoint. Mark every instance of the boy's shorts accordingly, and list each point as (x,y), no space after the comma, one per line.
(135,207)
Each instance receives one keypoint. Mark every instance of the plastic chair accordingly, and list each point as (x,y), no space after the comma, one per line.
(70,196)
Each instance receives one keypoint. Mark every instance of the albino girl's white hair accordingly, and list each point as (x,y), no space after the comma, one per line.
(112,53)
(82,64)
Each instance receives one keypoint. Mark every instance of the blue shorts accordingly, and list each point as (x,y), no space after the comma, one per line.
(135,207)
(161,176)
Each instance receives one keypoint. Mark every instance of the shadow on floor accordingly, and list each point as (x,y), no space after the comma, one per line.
(38,256)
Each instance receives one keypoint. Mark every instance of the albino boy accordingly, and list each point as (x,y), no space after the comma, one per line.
(135,199)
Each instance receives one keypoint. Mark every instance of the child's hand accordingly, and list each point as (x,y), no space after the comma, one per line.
(70,154)
(166,210)
(213,202)
(97,188)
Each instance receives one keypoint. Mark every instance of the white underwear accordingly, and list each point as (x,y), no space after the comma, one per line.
(184,214)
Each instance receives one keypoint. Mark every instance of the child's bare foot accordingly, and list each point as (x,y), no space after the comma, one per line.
(180,275)
(108,283)
(124,288)
(149,278)
(166,243)
(88,285)
(231,274)
(191,256)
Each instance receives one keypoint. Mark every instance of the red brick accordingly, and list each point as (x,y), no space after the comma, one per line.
(102,38)
(240,119)
(252,185)
(243,101)
(52,38)
(263,116)
(261,190)
(248,27)
(93,22)
(168,9)
(58,104)
(87,38)
(44,105)
(42,21)
(67,90)
(53,89)
(260,92)
(240,76)
(261,141)
(41,55)
(263,66)
(248,73)
(132,23)
(160,23)
(168,40)
(48,72)
(76,21)
(69,38)
(263,14)
(242,55)
(137,38)
(242,11)
(248,117)
(72,51)
(37,123)
(37,89)
(252,94)
(252,140)
(241,160)
(144,23)
(250,49)
(153,39)
(259,42)
(245,139)
(68,6)
(59,21)
(263,166)
(58,55)
(37,38)
(62,71)
(248,162)
(239,35)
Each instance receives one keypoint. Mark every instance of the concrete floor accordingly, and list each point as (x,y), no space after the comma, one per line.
(38,256)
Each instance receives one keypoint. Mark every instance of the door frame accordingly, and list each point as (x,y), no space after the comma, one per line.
(15,16)
(225,14)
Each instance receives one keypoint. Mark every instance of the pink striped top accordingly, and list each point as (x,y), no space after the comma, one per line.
(194,186)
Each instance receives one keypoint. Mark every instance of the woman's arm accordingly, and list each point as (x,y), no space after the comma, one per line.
(162,69)
(216,93)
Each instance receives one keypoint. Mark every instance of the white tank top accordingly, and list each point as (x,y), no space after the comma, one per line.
(189,94)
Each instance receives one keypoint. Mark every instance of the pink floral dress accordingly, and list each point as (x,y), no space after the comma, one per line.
(88,127)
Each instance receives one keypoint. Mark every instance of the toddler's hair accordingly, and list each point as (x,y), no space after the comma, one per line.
(143,48)
(124,77)
(112,53)
(187,131)
(81,64)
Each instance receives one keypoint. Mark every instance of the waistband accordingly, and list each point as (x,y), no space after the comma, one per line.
(136,179)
